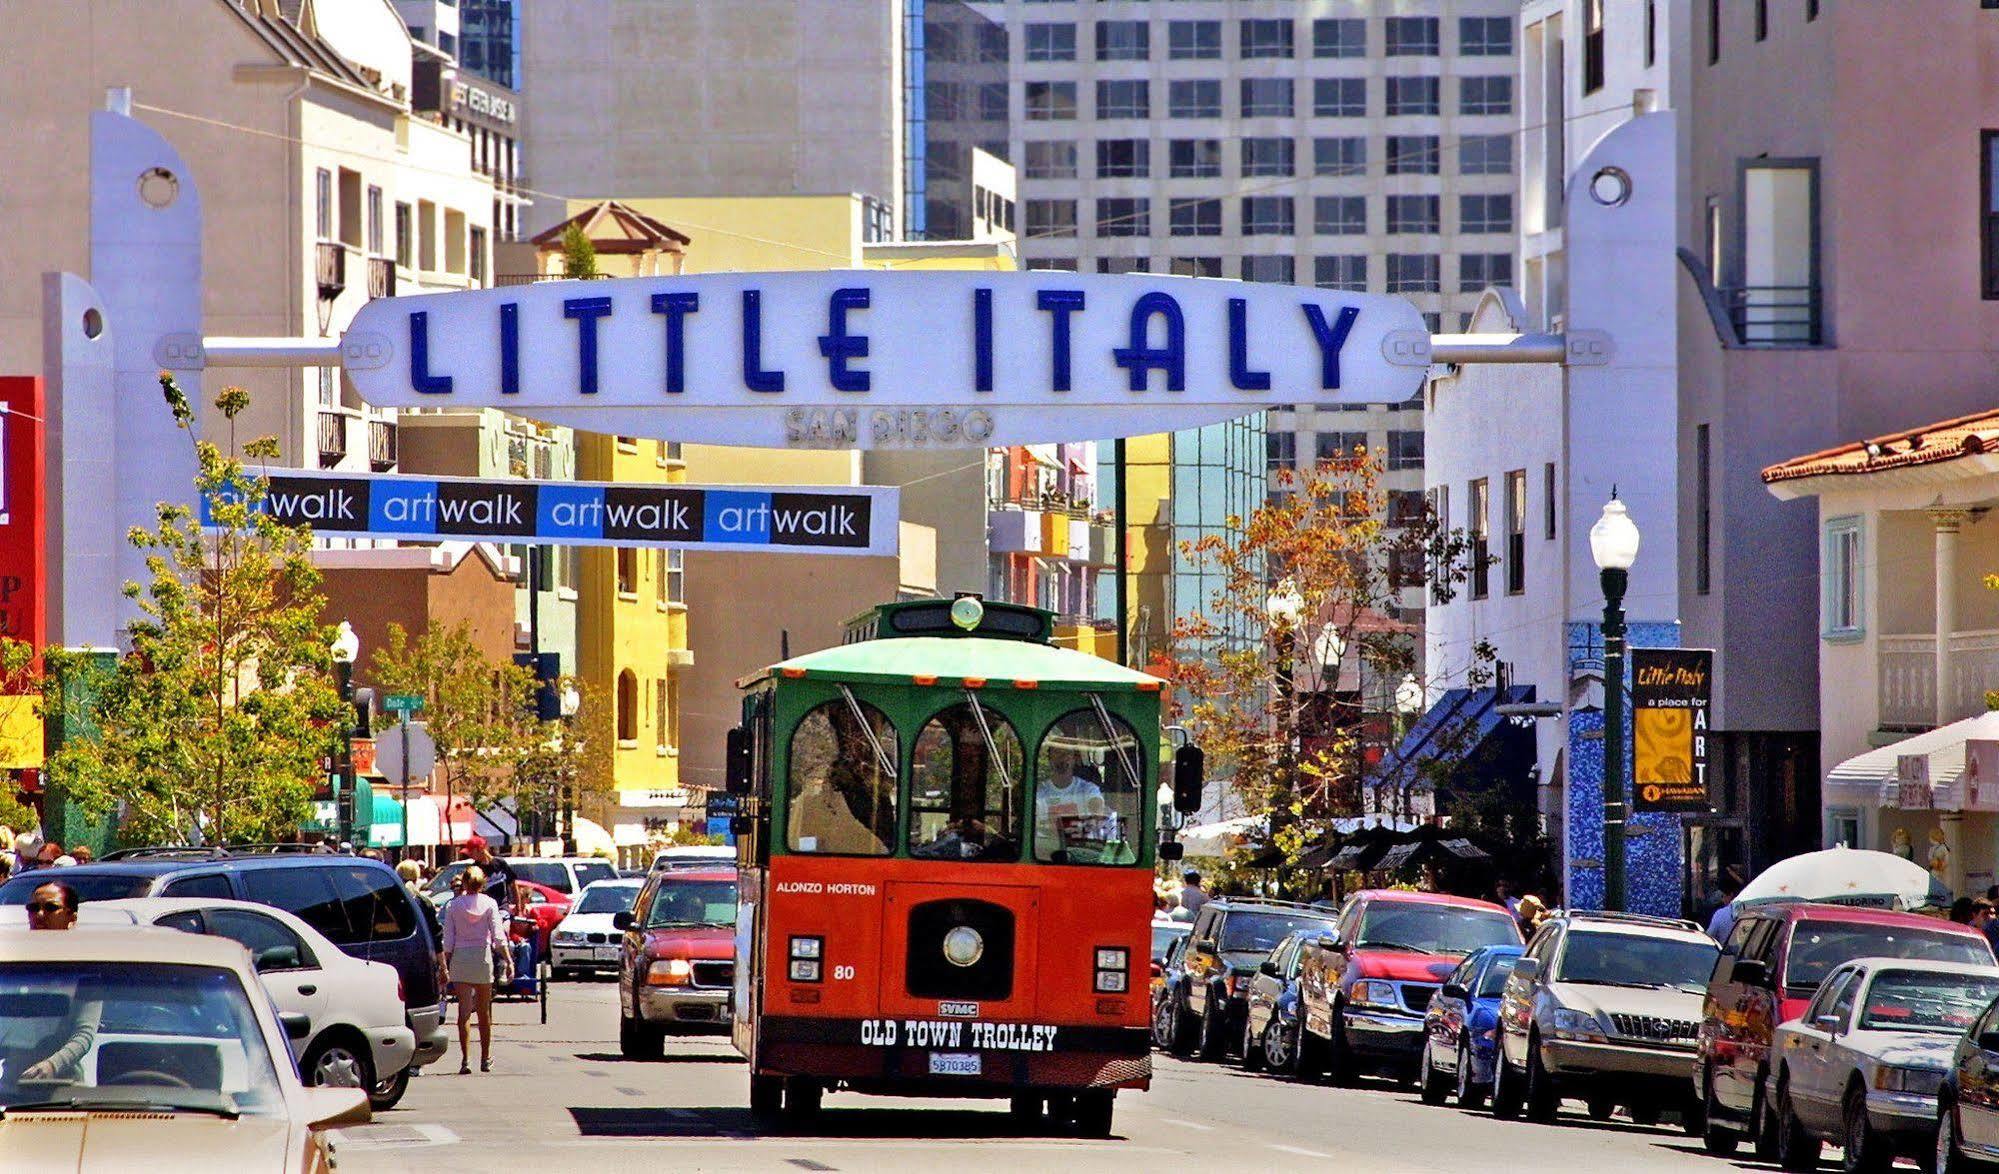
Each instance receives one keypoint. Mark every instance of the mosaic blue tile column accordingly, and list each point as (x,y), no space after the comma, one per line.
(1653,867)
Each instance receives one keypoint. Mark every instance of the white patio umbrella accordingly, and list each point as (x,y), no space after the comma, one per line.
(1215,839)
(1847,876)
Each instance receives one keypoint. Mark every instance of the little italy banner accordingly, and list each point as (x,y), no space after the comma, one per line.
(789,519)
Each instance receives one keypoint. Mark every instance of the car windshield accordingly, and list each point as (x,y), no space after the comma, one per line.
(693,902)
(1163,936)
(1914,1000)
(589,872)
(102,886)
(1629,959)
(1818,946)
(542,872)
(125,1035)
(446,877)
(606,899)
(1246,930)
(1493,984)
(1433,929)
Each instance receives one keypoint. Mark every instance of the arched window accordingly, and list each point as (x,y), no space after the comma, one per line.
(843,781)
(628,706)
(1089,782)
(965,785)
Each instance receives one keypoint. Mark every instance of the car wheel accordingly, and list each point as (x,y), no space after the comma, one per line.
(1505,1088)
(1094,1110)
(766,1098)
(1025,1110)
(1719,1139)
(1181,1041)
(1339,1059)
(1162,1022)
(1311,1061)
(1946,1159)
(1539,1099)
(1866,1152)
(386,1093)
(1252,1049)
(1600,1108)
(1643,1114)
(1796,1149)
(1278,1053)
(640,1041)
(1213,1043)
(1431,1085)
(1763,1124)
(801,1099)
(336,1063)
(1468,1091)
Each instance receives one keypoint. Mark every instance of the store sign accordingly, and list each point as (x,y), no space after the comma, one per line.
(23,558)
(886,359)
(483,103)
(1671,692)
(1981,775)
(790,520)
(1913,791)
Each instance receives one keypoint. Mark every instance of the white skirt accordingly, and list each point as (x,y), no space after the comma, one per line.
(472,964)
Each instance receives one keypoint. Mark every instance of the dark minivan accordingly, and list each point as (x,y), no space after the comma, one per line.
(359,904)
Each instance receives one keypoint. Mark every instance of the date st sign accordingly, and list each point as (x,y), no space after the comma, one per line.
(886,359)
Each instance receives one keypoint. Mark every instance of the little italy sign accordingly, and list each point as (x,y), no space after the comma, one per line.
(885,359)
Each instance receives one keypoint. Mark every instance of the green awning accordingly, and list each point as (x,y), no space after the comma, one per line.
(385,820)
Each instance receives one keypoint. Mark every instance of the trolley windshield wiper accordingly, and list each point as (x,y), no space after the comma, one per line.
(882,761)
(992,752)
(1117,744)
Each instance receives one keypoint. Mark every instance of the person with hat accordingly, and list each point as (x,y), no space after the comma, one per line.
(501,880)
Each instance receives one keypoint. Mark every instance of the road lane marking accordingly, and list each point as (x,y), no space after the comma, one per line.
(1292,1149)
(1188,1124)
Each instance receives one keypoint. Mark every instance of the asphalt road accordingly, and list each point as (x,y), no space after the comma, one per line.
(562,1099)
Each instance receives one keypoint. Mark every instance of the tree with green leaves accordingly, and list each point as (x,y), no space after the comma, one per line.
(217,725)
(579,255)
(478,709)
(564,767)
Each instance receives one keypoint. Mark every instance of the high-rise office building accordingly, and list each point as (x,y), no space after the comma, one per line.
(488,43)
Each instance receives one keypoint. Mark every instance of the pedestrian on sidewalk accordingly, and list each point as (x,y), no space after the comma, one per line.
(473,934)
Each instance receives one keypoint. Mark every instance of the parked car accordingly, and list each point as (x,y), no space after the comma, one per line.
(585,939)
(1863,1065)
(358,1035)
(1231,938)
(1968,1101)
(1461,1028)
(359,905)
(1270,1007)
(1603,1007)
(694,856)
(1772,963)
(567,875)
(188,1063)
(545,908)
(1365,986)
(676,964)
(1168,978)
(1165,932)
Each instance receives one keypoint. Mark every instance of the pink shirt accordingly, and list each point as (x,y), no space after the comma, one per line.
(472,920)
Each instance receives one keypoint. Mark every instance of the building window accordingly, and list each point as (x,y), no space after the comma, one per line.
(475,262)
(1412,155)
(1413,273)
(1548,501)
(1123,40)
(1333,446)
(1778,302)
(1485,36)
(1476,271)
(659,577)
(1703,507)
(1051,42)
(1406,507)
(1592,46)
(1266,97)
(1193,40)
(1485,95)
(1412,36)
(992,108)
(1051,160)
(1124,99)
(1194,158)
(1266,38)
(1762,20)
(1652,28)
(1281,270)
(1046,218)
(1339,97)
(1493,213)
(1413,95)
(1713,31)
(1405,449)
(1194,217)
(676,576)
(627,562)
(1478,505)
(1269,156)
(1344,36)
(1440,502)
(659,714)
(374,221)
(1195,267)
(405,237)
(1842,618)
(628,706)
(1194,99)
(943,101)
(1516,532)
(1485,155)
(1341,271)
(1051,101)
(1054,264)
(1124,216)
(1268,216)
(322,204)
(1124,265)
(1988,222)
(1124,158)
(1812,8)
(1341,156)
(1340,215)
(1281,449)
(992,43)
(1418,214)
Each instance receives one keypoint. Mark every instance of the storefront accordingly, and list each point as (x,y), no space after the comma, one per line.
(1932,798)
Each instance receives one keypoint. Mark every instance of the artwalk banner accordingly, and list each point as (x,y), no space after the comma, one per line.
(1671,691)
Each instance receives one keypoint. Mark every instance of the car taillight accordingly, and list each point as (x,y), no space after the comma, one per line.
(1113,965)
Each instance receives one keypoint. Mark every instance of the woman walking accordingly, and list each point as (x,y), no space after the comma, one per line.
(472,935)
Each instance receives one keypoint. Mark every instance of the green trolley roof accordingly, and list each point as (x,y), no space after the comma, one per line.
(954,660)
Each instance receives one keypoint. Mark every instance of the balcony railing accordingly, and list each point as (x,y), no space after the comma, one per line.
(1908,677)
(500,279)
(330,267)
(1775,315)
(381,277)
(332,437)
(381,445)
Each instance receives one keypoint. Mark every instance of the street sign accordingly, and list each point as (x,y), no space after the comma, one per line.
(406,754)
(402,703)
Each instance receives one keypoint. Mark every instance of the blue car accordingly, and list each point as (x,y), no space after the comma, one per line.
(1460,1029)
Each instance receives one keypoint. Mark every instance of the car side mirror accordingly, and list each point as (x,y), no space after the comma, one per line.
(1750,972)
(277,958)
(1330,943)
(1172,850)
(1268,967)
(1988,1041)
(621,920)
(333,1108)
(1451,990)
(297,1025)
(1527,968)
(736,762)
(1190,779)
(1827,1023)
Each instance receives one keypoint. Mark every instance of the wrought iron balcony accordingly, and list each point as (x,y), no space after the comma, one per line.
(332,437)
(330,266)
(1775,315)
(381,277)
(381,445)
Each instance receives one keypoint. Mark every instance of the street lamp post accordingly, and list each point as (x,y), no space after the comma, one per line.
(571,700)
(1613,544)
(346,646)
(1285,608)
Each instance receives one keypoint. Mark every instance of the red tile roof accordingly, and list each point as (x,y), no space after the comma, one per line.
(1945,440)
(616,227)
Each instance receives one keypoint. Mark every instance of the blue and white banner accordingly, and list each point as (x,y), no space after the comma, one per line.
(823,519)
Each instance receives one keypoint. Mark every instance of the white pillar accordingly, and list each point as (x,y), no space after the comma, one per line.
(1947,522)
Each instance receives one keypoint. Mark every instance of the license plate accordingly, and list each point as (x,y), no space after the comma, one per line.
(606,953)
(954,1064)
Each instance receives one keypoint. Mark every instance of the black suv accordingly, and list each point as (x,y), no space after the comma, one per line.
(359,904)
(1232,937)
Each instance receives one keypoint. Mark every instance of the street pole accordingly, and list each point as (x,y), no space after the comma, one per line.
(1615,801)
(343,768)
(1120,535)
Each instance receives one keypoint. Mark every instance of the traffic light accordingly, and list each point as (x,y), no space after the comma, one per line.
(364,713)
(547,670)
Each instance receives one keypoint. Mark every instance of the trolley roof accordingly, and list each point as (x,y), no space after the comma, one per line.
(975,661)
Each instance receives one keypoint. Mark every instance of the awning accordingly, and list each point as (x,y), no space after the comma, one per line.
(592,839)
(1464,724)
(1954,767)
(385,826)
(1215,839)
(425,826)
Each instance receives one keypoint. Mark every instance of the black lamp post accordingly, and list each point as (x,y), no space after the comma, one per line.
(1613,544)
(345,647)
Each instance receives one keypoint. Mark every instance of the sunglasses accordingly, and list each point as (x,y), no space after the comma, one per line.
(46,907)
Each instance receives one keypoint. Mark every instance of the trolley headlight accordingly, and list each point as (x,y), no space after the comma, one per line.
(1113,970)
(807,947)
(963,946)
(804,954)
(669,972)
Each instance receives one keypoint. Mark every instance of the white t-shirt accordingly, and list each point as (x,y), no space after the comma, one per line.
(1056,807)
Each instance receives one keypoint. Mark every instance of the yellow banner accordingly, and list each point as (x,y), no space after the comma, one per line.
(20,732)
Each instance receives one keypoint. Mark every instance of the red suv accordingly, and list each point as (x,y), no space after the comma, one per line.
(1774,958)
(1363,989)
(676,965)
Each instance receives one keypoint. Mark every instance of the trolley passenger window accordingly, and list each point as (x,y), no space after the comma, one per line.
(1089,783)
(965,787)
(843,781)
